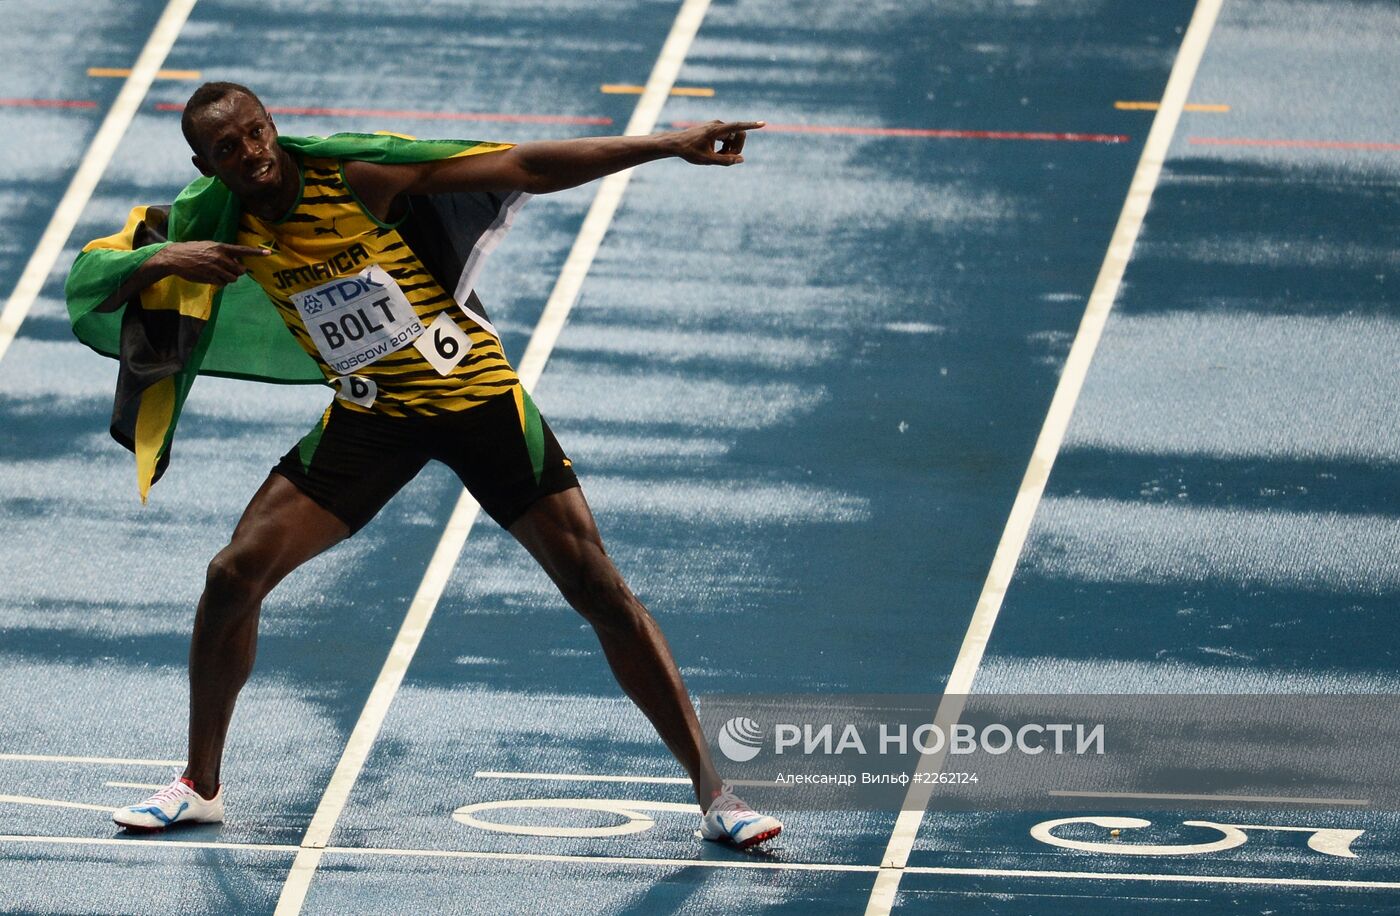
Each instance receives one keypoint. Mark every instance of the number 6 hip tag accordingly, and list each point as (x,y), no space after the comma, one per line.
(357,390)
(444,344)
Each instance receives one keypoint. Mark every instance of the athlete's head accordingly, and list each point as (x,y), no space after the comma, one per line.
(233,138)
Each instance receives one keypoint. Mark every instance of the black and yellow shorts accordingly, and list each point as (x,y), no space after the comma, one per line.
(353,462)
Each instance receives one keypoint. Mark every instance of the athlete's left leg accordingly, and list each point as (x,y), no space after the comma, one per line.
(559,532)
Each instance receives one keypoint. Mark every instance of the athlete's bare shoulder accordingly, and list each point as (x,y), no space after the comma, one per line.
(377,185)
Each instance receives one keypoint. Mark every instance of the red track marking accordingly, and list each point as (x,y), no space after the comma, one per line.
(423,115)
(46,103)
(1290,144)
(935,134)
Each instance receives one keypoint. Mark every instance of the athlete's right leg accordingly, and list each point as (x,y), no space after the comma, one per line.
(281,529)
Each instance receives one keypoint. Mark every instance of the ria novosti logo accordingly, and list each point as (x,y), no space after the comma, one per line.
(741,739)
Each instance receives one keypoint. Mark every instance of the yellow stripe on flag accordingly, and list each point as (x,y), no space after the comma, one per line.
(120,240)
(475,150)
(172,294)
(153,418)
(480,148)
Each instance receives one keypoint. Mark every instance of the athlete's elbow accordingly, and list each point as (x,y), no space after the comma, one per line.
(543,177)
(545,183)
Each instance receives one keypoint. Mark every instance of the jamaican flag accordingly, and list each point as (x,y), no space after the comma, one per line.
(174,330)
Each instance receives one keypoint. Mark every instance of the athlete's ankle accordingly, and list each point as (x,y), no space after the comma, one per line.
(707,791)
(207,788)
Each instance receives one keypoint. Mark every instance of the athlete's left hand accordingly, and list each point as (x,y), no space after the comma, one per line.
(697,145)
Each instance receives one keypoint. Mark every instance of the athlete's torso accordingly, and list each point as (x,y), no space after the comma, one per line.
(352,322)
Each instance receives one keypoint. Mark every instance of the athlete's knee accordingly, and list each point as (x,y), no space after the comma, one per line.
(234,581)
(599,593)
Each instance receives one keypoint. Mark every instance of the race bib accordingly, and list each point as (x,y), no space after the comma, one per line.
(444,344)
(357,390)
(355,320)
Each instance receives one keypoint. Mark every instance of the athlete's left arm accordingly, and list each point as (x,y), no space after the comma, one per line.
(541,167)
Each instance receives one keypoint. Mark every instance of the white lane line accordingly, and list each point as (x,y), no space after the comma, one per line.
(601,777)
(132,841)
(119,761)
(352,760)
(542,341)
(134,785)
(91,169)
(610,191)
(1047,446)
(753,863)
(1140,876)
(52,803)
(1256,799)
(605,860)
(584,777)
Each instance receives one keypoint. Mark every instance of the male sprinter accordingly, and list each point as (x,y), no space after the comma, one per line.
(419,379)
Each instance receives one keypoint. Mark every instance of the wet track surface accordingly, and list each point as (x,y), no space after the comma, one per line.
(801,395)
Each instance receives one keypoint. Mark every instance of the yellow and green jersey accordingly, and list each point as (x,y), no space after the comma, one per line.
(321,278)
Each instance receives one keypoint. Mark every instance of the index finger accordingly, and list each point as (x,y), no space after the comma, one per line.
(732,126)
(244,251)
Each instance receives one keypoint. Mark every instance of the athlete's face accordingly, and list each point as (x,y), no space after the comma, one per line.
(240,148)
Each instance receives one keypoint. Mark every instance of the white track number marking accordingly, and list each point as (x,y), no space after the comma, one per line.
(633,820)
(357,390)
(1329,841)
(444,344)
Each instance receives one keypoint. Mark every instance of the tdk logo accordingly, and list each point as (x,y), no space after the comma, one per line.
(352,288)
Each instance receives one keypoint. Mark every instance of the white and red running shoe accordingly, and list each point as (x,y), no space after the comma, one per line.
(177,803)
(730,820)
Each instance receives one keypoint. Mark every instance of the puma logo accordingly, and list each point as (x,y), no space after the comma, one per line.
(322,230)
